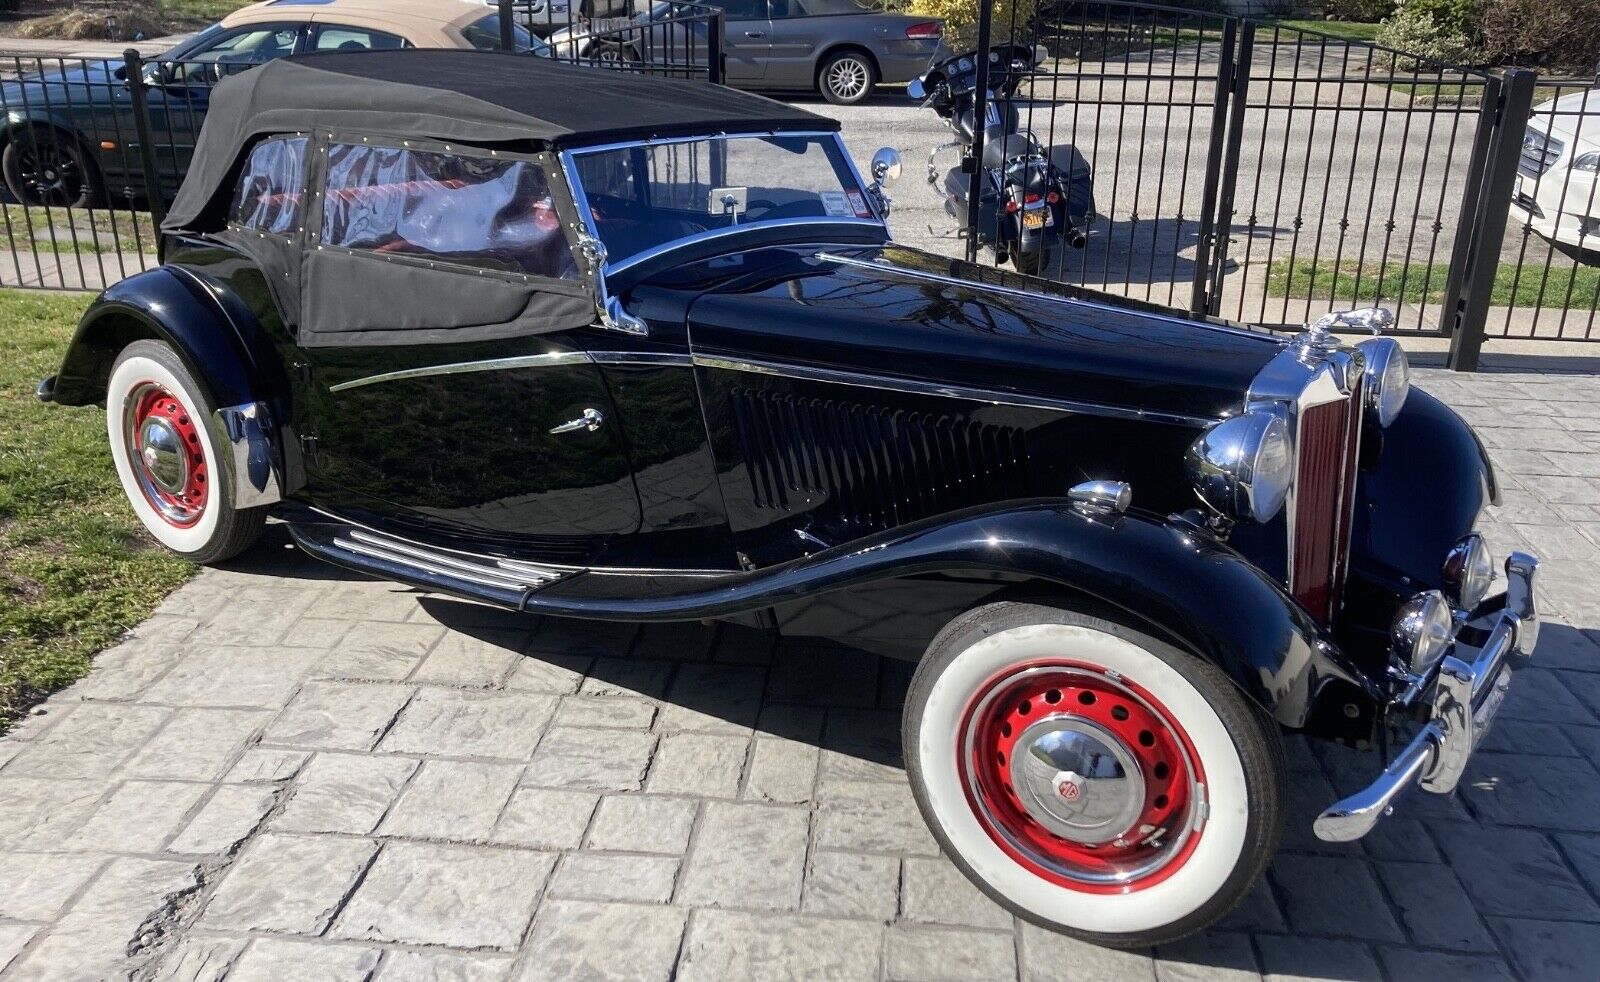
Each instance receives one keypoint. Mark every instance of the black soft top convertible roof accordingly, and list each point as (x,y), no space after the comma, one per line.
(468,96)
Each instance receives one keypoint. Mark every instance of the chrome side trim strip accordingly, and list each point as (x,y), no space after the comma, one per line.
(732,230)
(1012,291)
(522,361)
(917,387)
(463,367)
(640,358)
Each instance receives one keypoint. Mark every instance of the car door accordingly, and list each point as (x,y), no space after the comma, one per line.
(444,330)
(747,33)
(796,39)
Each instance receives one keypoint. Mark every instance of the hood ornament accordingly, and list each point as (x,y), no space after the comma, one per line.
(1318,337)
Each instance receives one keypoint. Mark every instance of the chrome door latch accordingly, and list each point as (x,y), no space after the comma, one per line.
(591,420)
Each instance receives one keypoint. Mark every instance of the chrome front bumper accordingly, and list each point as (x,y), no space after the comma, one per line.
(1470,685)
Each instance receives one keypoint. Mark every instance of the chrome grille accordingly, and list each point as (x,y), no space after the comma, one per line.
(878,466)
(1539,151)
(1327,448)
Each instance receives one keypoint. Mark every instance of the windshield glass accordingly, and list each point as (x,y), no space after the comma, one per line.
(645,196)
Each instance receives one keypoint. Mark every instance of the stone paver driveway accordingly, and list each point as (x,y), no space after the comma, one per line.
(288,773)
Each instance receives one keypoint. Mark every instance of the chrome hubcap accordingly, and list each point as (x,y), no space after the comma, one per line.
(1077,779)
(161,449)
(848,77)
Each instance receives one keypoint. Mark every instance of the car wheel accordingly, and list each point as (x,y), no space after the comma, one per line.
(612,55)
(847,78)
(1091,778)
(168,460)
(44,166)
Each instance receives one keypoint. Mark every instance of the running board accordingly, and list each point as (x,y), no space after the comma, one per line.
(503,582)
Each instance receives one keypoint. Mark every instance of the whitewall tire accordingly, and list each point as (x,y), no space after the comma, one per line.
(1089,777)
(168,460)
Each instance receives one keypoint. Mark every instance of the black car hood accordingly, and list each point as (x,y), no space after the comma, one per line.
(95,73)
(903,313)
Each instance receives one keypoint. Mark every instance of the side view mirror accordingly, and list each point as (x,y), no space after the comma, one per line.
(885,165)
(885,168)
(915,90)
(1041,54)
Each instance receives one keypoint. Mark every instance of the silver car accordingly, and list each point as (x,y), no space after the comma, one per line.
(836,47)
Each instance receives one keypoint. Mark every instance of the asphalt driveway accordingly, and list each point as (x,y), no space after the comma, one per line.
(289,773)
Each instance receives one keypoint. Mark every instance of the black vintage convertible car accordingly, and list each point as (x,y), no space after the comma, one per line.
(588,344)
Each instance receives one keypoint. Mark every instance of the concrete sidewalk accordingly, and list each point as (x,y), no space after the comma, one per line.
(292,773)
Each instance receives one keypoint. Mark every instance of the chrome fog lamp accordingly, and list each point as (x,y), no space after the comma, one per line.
(1469,572)
(1242,467)
(1422,631)
(1388,378)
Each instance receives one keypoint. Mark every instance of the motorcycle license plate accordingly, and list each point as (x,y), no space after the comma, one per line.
(1035,219)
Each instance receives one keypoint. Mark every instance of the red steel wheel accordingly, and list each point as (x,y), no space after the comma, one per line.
(1088,776)
(169,459)
(1082,777)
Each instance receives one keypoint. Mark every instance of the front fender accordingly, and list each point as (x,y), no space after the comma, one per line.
(1170,577)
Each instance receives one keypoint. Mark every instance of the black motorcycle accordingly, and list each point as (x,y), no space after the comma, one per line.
(1033,199)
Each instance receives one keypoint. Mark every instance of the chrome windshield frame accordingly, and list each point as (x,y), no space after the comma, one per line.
(580,196)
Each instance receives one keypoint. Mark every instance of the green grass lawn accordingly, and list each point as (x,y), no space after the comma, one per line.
(76,569)
(1425,284)
(78,230)
(1347,30)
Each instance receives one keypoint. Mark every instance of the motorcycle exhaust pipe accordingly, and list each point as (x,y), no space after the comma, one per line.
(1076,238)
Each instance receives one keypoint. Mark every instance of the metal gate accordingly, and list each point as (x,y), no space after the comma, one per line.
(1267,174)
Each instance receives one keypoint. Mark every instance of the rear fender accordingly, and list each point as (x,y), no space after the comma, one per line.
(1164,575)
(231,360)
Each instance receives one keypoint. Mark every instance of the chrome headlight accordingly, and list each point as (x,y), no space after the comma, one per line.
(1469,572)
(1388,378)
(1588,162)
(1242,467)
(1422,631)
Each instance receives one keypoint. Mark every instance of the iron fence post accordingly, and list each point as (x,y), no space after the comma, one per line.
(1229,183)
(716,66)
(508,36)
(980,114)
(1198,301)
(1483,260)
(1469,215)
(134,66)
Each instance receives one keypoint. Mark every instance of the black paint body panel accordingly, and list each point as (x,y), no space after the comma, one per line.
(870,513)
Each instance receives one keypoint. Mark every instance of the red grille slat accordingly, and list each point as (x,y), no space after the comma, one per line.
(1324,493)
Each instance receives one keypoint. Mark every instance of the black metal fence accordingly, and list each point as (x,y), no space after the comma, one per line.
(664,37)
(1267,174)
(92,150)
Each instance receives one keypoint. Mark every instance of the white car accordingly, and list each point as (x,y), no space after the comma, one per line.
(1558,182)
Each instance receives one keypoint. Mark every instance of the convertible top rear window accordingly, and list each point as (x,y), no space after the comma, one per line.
(641,197)
(271,186)
(494,213)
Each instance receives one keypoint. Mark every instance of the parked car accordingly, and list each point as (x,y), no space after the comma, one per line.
(836,47)
(70,136)
(654,357)
(1558,180)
